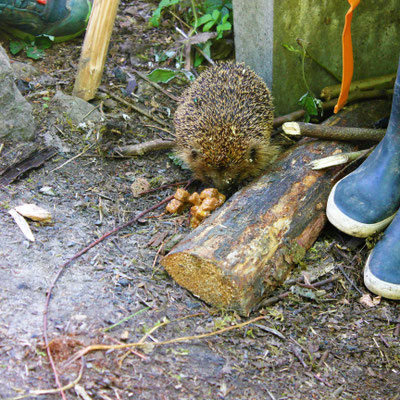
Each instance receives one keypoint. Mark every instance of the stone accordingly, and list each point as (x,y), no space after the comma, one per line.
(16,119)
(24,71)
(74,108)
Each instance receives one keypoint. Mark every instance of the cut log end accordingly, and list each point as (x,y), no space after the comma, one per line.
(291,128)
(203,278)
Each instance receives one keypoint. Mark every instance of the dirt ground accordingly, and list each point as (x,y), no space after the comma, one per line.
(324,346)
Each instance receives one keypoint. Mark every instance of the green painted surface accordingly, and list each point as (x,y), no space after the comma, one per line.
(375,32)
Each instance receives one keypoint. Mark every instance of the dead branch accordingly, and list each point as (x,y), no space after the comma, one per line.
(332,132)
(328,105)
(385,81)
(103,347)
(156,85)
(143,148)
(134,107)
(61,389)
(339,159)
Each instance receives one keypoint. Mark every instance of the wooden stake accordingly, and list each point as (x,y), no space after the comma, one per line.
(95,47)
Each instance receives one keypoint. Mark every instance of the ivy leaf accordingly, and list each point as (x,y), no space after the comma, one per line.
(163,75)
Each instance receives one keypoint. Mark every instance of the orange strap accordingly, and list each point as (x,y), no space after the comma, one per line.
(347,56)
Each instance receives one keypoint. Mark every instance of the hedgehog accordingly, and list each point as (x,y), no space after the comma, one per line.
(223,125)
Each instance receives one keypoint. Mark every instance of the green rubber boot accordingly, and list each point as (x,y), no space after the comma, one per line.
(63,19)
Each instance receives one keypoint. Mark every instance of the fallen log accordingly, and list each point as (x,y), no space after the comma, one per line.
(242,252)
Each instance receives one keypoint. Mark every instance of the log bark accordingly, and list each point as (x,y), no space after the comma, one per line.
(241,253)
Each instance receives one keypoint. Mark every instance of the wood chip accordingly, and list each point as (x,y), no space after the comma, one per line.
(22,224)
(34,212)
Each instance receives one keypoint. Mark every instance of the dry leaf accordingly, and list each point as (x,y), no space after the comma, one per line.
(368,301)
(34,212)
(22,224)
(139,185)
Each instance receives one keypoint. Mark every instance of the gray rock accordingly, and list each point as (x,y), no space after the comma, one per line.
(23,70)
(16,119)
(74,108)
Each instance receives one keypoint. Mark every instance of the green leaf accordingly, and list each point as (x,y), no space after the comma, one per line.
(291,48)
(311,105)
(198,60)
(34,53)
(16,46)
(163,75)
(44,41)
(225,18)
(215,15)
(227,26)
(208,26)
(202,20)
(155,19)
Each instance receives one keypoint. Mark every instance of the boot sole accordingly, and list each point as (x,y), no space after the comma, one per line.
(349,225)
(379,287)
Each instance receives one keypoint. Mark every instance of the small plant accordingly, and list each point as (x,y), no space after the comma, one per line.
(35,49)
(201,16)
(309,102)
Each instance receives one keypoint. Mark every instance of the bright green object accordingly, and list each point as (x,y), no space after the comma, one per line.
(26,19)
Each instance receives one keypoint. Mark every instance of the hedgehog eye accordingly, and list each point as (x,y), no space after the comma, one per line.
(194,154)
(253,154)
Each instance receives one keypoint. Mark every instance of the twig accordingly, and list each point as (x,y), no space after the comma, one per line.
(156,85)
(384,341)
(328,105)
(272,300)
(296,352)
(349,280)
(361,85)
(323,66)
(160,129)
(196,47)
(125,319)
(102,347)
(352,163)
(332,132)
(40,392)
(339,159)
(324,381)
(73,158)
(270,394)
(136,108)
(270,330)
(143,148)
(94,108)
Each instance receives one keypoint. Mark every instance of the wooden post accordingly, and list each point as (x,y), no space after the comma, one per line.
(95,47)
